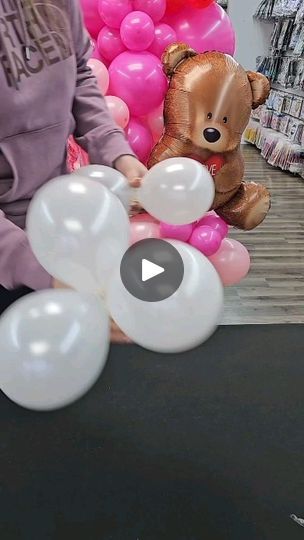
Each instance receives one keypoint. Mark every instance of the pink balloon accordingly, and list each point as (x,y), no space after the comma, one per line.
(206,240)
(207,29)
(176,232)
(143,230)
(101,73)
(232,262)
(216,223)
(109,43)
(119,110)
(155,121)
(139,80)
(91,16)
(113,12)
(164,36)
(137,31)
(140,139)
(139,218)
(155,8)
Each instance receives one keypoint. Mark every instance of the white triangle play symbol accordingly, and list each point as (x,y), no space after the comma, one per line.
(150,270)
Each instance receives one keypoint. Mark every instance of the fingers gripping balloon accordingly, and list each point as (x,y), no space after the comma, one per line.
(207,108)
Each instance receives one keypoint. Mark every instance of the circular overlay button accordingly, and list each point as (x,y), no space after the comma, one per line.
(152,270)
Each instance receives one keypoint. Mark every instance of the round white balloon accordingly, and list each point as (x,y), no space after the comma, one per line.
(54,345)
(179,323)
(79,231)
(111,179)
(177,191)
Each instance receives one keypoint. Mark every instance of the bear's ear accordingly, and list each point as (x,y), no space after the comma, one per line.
(174,55)
(260,87)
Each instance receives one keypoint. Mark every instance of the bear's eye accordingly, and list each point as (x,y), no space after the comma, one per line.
(225,119)
(209,115)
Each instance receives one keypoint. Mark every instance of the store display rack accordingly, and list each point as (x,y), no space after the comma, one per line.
(277,128)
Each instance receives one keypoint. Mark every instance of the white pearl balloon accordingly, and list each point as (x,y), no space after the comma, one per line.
(179,323)
(111,179)
(79,231)
(54,345)
(177,191)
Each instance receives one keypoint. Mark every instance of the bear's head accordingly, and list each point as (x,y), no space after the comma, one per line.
(210,98)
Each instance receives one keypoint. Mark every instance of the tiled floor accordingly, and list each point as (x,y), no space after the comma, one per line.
(274,290)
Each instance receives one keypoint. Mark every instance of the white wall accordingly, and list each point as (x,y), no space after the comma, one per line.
(253,36)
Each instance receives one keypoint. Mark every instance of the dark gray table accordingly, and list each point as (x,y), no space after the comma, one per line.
(206,445)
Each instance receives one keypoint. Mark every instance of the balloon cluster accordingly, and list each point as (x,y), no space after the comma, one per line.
(54,344)
(130,37)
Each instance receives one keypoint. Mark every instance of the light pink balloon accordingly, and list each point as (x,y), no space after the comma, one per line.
(164,36)
(140,139)
(137,31)
(109,43)
(207,29)
(92,19)
(155,121)
(139,218)
(143,230)
(176,232)
(119,110)
(232,262)
(139,80)
(113,12)
(216,223)
(155,8)
(101,73)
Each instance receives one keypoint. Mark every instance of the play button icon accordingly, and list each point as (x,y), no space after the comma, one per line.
(152,270)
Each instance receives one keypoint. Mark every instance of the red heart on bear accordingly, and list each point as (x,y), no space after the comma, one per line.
(213,164)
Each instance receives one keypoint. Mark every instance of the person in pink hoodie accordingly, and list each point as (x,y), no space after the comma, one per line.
(47,93)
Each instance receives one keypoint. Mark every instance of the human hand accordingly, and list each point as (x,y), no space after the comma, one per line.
(132,169)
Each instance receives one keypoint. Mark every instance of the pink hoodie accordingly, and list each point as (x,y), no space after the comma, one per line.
(47,93)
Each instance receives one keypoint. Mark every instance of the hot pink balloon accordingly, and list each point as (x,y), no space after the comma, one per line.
(143,230)
(137,31)
(113,12)
(207,29)
(216,223)
(140,139)
(206,240)
(232,262)
(155,8)
(176,232)
(156,123)
(109,43)
(119,110)
(91,16)
(101,73)
(163,37)
(139,80)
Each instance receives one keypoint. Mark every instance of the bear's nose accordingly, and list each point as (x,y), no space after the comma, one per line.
(212,135)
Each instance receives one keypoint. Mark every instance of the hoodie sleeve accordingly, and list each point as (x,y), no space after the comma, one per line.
(18,265)
(96,132)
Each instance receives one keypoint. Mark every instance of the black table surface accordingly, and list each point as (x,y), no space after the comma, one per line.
(205,445)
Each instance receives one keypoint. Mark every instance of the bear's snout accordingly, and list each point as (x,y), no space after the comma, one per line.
(212,135)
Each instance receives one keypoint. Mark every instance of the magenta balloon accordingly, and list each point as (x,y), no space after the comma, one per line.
(91,16)
(232,262)
(155,8)
(206,240)
(207,29)
(137,31)
(176,232)
(164,35)
(109,43)
(216,223)
(139,80)
(140,139)
(113,12)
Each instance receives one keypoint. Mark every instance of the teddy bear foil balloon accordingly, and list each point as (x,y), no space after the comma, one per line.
(207,109)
